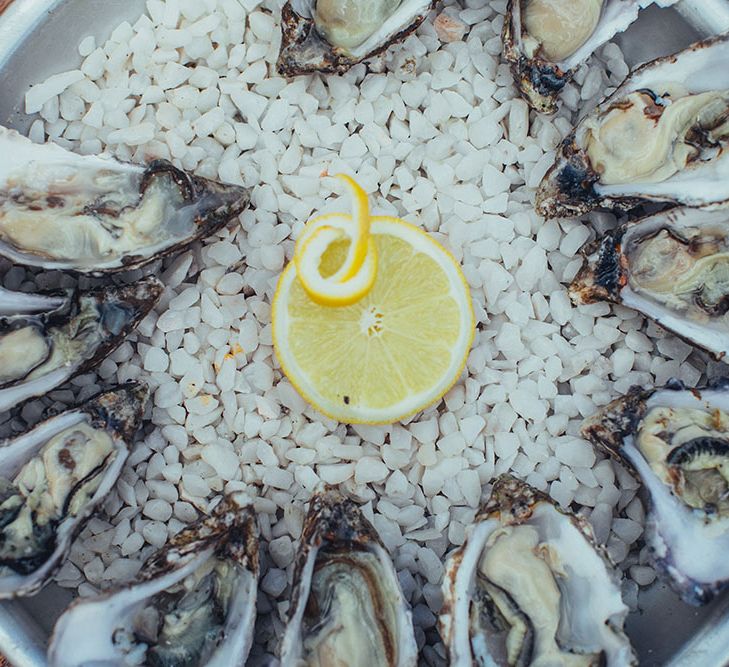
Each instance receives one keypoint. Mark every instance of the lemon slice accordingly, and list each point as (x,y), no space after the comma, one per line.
(392,353)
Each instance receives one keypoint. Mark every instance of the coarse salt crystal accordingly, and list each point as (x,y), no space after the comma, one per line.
(223,460)
(54,85)
(370,469)
(336,473)
(158,509)
(449,28)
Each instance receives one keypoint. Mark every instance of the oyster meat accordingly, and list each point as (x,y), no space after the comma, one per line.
(93,214)
(39,352)
(531,587)
(193,603)
(673,267)
(53,476)
(334,35)
(347,607)
(662,136)
(546,40)
(676,441)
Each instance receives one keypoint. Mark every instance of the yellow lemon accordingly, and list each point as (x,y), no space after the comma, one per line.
(395,351)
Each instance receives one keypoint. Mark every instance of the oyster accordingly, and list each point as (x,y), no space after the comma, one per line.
(530,587)
(347,607)
(193,604)
(546,40)
(662,136)
(39,352)
(93,214)
(334,35)
(53,476)
(673,267)
(676,441)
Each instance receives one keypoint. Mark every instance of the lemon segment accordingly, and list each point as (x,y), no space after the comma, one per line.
(395,351)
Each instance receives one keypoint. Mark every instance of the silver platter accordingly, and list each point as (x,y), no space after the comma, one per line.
(39,38)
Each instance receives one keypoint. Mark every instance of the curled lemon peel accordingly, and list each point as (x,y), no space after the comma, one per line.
(356,275)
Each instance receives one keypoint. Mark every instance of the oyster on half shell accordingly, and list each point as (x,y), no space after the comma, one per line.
(673,267)
(53,476)
(41,350)
(531,587)
(546,40)
(94,214)
(193,603)
(676,441)
(662,136)
(347,607)
(333,35)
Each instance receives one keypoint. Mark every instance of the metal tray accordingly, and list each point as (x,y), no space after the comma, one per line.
(39,37)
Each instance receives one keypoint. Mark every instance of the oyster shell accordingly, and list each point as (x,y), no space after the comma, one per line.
(333,35)
(93,214)
(673,267)
(546,40)
(676,441)
(530,586)
(53,476)
(39,352)
(662,136)
(347,607)
(193,604)
(25,303)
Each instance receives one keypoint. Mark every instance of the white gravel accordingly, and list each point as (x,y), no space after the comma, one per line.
(434,133)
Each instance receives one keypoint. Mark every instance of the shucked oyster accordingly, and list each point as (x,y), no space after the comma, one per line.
(193,604)
(546,40)
(530,587)
(60,210)
(53,476)
(334,35)
(672,267)
(39,352)
(661,136)
(676,440)
(347,607)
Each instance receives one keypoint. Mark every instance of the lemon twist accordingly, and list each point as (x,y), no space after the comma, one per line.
(356,275)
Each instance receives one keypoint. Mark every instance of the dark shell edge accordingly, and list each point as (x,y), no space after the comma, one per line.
(539,82)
